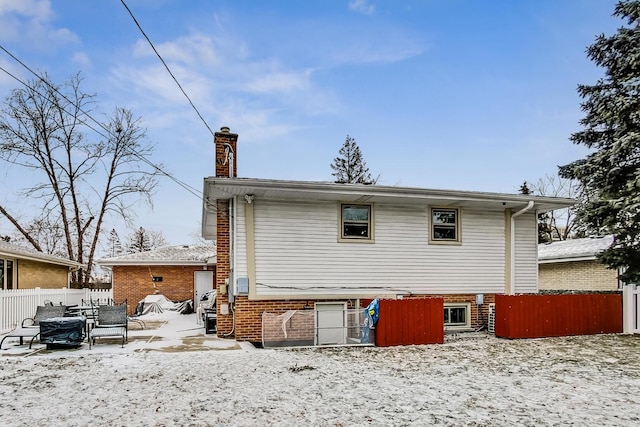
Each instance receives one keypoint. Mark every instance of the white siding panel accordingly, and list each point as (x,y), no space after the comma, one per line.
(526,254)
(240,269)
(297,249)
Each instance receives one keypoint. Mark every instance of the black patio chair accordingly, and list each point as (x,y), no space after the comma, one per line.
(30,327)
(111,322)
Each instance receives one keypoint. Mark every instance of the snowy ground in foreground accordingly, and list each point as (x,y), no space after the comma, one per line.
(590,380)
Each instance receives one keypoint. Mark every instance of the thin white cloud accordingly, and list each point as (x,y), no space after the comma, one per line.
(29,22)
(82,59)
(192,50)
(223,80)
(280,81)
(40,10)
(362,6)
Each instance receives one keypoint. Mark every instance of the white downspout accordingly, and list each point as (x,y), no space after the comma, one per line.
(232,261)
(512,245)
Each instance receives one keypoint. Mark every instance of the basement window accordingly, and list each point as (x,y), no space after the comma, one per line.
(355,222)
(457,315)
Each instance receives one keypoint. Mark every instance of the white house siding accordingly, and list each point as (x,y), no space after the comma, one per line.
(297,251)
(240,268)
(526,254)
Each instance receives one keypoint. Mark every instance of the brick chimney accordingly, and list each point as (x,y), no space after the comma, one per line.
(226,158)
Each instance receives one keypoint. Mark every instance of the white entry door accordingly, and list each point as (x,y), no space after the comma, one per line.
(330,323)
(202,282)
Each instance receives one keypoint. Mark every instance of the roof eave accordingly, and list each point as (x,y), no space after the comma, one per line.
(567,259)
(30,257)
(224,188)
(155,262)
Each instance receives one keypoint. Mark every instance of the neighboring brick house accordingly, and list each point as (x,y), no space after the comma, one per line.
(323,246)
(180,273)
(24,268)
(572,265)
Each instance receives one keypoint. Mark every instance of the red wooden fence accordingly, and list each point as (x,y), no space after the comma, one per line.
(538,316)
(410,321)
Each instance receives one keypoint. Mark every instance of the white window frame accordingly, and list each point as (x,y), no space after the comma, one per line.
(458,326)
(456,227)
(370,222)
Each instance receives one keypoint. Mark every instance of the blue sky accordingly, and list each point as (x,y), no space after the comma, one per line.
(450,94)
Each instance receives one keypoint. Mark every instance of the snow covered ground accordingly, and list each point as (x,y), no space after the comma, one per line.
(590,380)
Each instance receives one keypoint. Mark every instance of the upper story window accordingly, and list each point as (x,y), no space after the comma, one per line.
(445,225)
(355,222)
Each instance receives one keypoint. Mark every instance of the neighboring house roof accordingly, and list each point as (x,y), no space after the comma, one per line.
(10,250)
(170,255)
(573,249)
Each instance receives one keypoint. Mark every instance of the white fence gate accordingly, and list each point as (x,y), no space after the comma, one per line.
(631,316)
(19,304)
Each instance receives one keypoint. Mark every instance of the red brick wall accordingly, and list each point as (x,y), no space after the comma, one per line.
(299,327)
(222,167)
(133,283)
(249,314)
(479,313)
(225,322)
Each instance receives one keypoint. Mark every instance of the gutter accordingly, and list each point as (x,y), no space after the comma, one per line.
(512,245)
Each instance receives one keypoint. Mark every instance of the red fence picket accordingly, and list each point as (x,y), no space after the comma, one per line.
(538,316)
(410,321)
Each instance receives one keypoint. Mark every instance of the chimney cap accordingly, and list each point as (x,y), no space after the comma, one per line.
(224,129)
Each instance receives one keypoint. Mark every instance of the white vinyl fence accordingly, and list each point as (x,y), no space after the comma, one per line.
(630,309)
(19,304)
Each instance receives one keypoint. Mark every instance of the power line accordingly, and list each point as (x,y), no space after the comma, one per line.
(182,184)
(166,66)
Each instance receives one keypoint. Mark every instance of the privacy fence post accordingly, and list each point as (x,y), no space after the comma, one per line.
(629,308)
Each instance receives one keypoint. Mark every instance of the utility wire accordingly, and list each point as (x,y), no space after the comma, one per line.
(166,66)
(184,185)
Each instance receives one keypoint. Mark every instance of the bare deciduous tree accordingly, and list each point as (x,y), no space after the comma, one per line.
(80,182)
(559,224)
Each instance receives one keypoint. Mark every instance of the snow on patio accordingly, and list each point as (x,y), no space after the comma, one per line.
(589,380)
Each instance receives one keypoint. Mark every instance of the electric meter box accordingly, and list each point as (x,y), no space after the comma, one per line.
(243,285)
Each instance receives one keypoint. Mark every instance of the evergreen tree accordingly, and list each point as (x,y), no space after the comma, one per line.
(142,240)
(350,167)
(524,189)
(610,175)
(115,246)
(139,241)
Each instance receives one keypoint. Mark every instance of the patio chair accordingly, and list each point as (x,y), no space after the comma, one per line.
(111,322)
(30,327)
(139,312)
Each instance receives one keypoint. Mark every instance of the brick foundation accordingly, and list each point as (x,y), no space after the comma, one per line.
(248,316)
